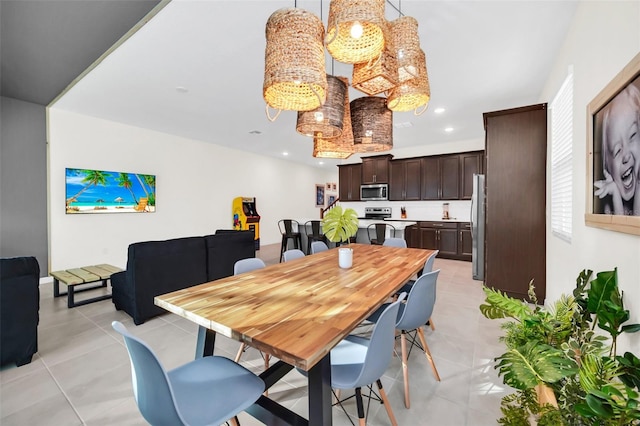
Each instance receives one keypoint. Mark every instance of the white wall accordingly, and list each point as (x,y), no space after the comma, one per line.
(196,183)
(603,38)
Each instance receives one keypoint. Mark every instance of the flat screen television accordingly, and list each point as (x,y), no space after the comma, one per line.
(99,191)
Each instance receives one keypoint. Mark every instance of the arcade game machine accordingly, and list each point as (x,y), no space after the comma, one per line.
(246,217)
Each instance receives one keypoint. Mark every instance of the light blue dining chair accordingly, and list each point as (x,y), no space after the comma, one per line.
(207,391)
(318,246)
(247,265)
(357,361)
(428,267)
(240,267)
(395,242)
(411,316)
(292,254)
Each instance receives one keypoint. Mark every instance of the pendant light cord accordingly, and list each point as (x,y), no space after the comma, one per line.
(399,8)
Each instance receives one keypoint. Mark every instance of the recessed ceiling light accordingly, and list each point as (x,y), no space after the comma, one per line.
(448,129)
(321,162)
(439,110)
(181,89)
(285,153)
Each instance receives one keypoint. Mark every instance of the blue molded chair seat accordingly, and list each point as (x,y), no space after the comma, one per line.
(292,254)
(411,316)
(240,267)
(358,361)
(318,246)
(395,242)
(207,391)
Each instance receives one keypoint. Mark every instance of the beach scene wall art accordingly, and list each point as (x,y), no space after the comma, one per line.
(99,191)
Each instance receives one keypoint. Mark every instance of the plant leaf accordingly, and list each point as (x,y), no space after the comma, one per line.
(533,363)
(499,305)
(339,225)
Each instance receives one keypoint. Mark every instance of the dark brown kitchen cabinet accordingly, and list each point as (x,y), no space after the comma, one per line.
(404,183)
(441,177)
(376,169)
(349,177)
(452,239)
(412,236)
(440,236)
(465,241)
(470,163)
(515,180)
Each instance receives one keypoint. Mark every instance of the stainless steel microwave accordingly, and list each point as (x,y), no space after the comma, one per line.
(374,192)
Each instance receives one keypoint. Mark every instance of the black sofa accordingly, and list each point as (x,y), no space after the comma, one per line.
(19,309)
(158,267)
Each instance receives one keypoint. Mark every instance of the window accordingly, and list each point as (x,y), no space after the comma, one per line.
(562,160)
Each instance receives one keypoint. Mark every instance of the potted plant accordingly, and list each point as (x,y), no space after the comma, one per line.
(563,372)
(339,226)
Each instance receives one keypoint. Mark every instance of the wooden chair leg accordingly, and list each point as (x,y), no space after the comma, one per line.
(405,368)
(239,354)
(234,421)
(433,327)
(361,420)
(427,352)
(387,406)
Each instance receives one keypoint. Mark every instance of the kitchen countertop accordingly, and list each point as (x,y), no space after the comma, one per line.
(398,224)
(414,220)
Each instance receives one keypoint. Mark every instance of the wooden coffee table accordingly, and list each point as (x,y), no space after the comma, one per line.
(83,275)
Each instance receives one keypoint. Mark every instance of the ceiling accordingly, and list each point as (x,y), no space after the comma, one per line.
(196,70)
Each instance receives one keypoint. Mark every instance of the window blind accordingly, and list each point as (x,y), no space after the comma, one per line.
(562,160)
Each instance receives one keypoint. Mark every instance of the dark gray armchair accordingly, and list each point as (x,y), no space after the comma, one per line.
(19,309)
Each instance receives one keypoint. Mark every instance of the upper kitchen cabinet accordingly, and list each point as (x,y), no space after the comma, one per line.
(470,163)
(441,177)
(350,178)
(404,184)
(376,169)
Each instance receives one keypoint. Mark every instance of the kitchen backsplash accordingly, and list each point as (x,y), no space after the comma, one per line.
(459,210)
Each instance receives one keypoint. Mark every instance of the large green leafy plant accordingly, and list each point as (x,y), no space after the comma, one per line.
(563,371)
(339,225)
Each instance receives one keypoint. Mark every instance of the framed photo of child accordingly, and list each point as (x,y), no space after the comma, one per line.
(613,170)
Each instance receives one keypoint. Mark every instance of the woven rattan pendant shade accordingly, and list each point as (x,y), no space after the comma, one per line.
(413,93)
(294,72)
(403,34)
(342,15)
(372,124)
(377,76)
(342,146)
(326,120)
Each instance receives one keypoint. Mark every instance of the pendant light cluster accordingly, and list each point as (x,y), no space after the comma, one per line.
(387,60)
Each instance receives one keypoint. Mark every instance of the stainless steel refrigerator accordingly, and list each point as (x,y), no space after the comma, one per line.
(477,226)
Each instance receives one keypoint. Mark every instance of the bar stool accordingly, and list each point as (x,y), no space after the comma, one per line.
(380,230)
(313,230)
(290,230)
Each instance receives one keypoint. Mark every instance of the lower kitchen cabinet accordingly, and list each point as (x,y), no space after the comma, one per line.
(452,239)
(465,243)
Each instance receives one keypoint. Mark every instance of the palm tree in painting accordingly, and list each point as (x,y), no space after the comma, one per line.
(124,181)
(144,188)
(91,178)
(151,181)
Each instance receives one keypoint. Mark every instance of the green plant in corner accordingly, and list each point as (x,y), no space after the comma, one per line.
(563,371)
(339,225)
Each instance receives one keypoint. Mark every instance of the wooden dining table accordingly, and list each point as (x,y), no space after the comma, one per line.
(296,311)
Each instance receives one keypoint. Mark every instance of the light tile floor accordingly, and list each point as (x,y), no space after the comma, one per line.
(81,373)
